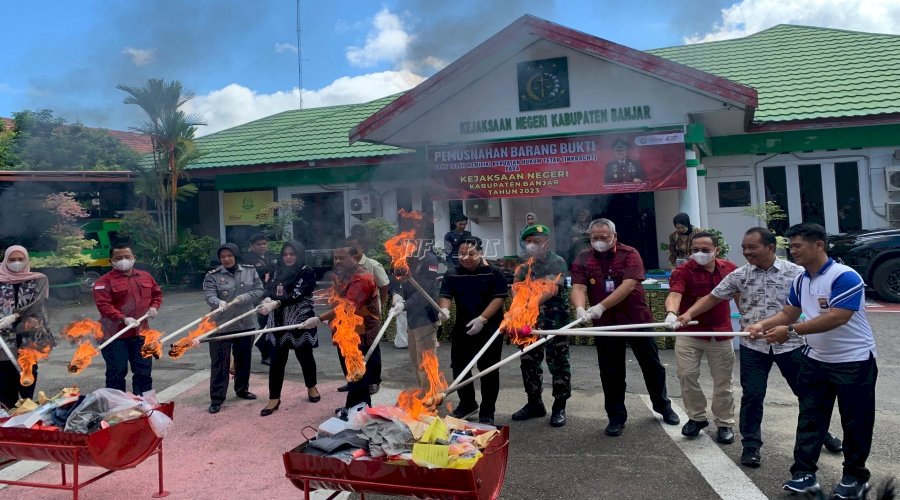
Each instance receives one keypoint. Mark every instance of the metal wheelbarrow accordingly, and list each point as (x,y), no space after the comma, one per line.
(484,481)
(121,446)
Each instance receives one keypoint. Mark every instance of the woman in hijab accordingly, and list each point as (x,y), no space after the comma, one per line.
(530,220)
(291,292)
(23,319)
(680,239)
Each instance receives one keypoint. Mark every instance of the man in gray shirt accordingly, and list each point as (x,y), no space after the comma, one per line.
(763,285)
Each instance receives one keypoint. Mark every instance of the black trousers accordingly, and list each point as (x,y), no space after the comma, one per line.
(10,388)
(462,350)
(358,392)
(611,357)
(280,355)
(755,367)
(121,353)
(220,352)
(265,348)
(853,385)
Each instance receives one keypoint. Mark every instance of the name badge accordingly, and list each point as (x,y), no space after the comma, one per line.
(610,286)
(593,281)
(279,290)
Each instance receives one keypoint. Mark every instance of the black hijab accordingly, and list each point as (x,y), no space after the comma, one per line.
(683,219)
(291,273)
(231,247)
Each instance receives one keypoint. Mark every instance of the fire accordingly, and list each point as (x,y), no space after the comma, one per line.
(183,344)
(28,357)
(83,357)
(414,401)
(82,328)
(152,346)
(414,215)
(400,247)
(525,307)
(345,337)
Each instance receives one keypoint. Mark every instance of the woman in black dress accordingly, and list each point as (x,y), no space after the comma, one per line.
(291,291)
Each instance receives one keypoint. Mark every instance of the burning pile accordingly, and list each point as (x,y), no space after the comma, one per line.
(525,308)
(81,331)
(28,357)
(182,345)
(152,345)
(345,337)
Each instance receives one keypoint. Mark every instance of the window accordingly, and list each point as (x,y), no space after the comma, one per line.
(812,206)
(846,181)
(775,180)
(734,194)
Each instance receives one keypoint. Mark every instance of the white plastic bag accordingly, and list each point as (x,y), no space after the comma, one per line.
(401,340)
(160,423)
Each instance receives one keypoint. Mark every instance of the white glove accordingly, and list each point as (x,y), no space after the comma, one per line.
(672,321)
(240,299)
(475,325)
(397,309)
(443,315)
(596,311)
(582,314)
(152,312)
(8,321)
(396,299)
(131,322)
(222,306)
(267,307)
(313,322)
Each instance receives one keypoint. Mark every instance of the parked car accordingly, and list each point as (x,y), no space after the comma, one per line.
(875,255)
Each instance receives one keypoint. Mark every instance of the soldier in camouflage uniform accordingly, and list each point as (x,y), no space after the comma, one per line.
(554,314)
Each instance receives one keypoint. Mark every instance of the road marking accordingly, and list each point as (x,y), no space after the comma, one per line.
(725,477)
(24,468)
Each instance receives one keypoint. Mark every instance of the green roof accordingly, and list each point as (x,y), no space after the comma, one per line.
(803,73)
(312,134)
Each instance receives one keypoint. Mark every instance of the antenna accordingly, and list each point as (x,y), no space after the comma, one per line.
(299,59)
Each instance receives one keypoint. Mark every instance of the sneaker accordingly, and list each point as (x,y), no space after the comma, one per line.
(850,487)
(803,482)
(530,410)
(750,457)
(463,411)
(693,427)
(833,444)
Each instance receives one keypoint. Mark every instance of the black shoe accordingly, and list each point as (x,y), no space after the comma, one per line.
(266,361)
(530,410)
(265,412)
(246,395)
(487,419)
(215,407)
(670,417)
(693,427)
(344,388)
(464,411)
(374,388)
(850,487)
(341,413)
(803,483)
(833,444)
(558,418)
(725,435)
(614,429)
(750,457)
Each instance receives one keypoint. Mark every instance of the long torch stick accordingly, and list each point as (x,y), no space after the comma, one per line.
(9,355)
(478,356)
(185,327)
(611,328)
(421,290)
(227,323)
(619,333)
(387,321)
(122,331)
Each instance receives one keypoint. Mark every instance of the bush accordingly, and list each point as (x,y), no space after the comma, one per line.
(190,255)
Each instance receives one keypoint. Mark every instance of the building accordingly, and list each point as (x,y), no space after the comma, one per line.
(545,119)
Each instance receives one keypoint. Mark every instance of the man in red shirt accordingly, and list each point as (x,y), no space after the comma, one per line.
(122,295)
(689,283)
(607,278)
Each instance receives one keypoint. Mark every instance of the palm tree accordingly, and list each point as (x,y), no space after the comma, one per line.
(171,132)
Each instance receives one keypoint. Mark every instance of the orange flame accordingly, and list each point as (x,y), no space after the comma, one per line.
(526,305)
(413,401)
(28,357)
(152,346)
(400,247)
(82,328)
(83,357)
(414,215)
(345,337)
(183,344)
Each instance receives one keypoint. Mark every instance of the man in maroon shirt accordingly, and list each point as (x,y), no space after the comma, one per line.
(690,282)
(122,295)
(607,277)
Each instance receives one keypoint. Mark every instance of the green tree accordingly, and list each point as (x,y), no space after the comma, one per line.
(278,216)
(42,141)
(171,131)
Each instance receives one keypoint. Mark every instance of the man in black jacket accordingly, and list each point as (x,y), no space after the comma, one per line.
(264,262)
(421,316)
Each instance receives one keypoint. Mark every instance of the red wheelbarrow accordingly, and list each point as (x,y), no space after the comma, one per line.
(484,481)
(121,446)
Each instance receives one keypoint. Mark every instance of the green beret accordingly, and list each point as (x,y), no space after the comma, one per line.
(538,229)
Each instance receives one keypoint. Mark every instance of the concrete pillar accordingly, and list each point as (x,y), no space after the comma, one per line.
(689,199)
(510,247)
(701,193)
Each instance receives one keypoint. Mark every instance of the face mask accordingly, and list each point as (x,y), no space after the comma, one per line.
(703,258)
(16,267)
(124,264)
(601,246)
(532,248)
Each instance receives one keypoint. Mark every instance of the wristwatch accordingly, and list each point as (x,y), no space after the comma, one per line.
(791,330)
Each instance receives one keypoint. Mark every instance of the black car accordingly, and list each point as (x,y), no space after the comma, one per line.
(875,255)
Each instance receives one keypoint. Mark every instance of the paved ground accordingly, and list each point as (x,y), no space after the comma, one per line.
(237,453)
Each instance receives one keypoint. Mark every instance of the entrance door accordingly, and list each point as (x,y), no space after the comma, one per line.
(822,193)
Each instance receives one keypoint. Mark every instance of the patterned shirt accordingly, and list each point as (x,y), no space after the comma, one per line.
(555,311)
(680,245)
(763,294)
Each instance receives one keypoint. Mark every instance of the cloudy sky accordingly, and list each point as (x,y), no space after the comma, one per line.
(241,60)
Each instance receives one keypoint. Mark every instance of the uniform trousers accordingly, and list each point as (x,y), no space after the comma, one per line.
(611,357)
(220,353)
(689,353)
(419,340)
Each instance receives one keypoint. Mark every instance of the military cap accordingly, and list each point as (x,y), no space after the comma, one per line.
(620,144)
(538,229)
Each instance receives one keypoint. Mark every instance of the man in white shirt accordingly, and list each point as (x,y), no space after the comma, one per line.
(838,361)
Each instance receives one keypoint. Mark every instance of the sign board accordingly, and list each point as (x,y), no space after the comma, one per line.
(245,208)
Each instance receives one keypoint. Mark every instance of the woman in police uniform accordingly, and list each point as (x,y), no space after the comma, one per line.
(234,289)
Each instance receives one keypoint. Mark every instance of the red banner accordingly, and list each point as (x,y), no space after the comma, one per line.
(598,164)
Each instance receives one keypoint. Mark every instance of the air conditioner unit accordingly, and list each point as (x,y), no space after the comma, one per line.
(361,203)
(483,208)
(892,211)
(892,178)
